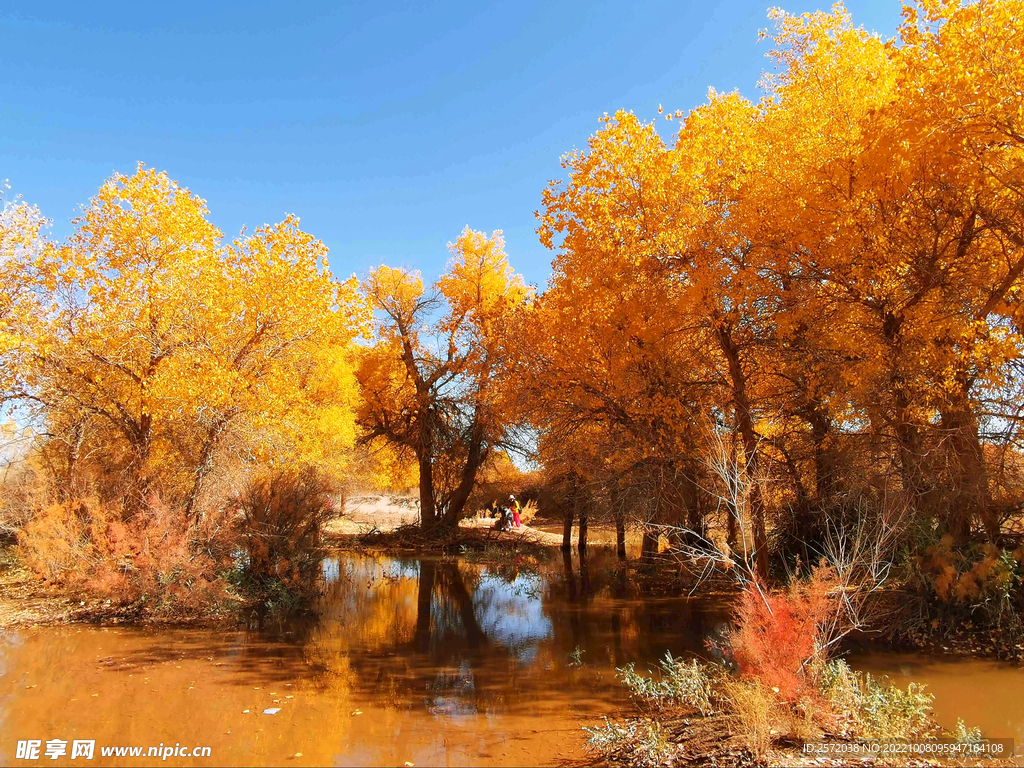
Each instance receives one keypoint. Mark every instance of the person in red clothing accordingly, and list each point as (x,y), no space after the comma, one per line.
(514,506)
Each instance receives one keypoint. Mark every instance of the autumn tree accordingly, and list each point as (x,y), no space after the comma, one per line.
(429,384)
(597,368)
(21,241)
(836,264)
(902,231)
(152,345)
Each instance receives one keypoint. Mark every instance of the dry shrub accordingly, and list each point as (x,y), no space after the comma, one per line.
(777,634)
(528,512)
(154,561)
(281,524)
(756,706)
(23,490)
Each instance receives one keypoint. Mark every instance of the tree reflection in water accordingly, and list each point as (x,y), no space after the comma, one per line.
(458,639)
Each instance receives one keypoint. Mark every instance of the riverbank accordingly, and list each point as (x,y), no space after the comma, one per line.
(700,713)
(400,536)
(376,526)
(689,739)
(27,601)
(379,525)
(371,519)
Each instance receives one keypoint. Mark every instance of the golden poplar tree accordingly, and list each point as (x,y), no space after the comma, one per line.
(429,384)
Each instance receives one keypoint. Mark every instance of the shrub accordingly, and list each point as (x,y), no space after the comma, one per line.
(875,709)
(22,491)
(777,634)
(969,588)
(635,742)
(970,575)
(528,512)
(281,520)
(154,561)
(756,707)
(679,683)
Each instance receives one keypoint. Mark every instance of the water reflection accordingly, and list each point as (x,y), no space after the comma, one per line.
(426,661)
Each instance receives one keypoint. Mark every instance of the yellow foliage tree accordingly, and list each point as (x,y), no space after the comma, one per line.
(839,260)
(154,345)
(430,383)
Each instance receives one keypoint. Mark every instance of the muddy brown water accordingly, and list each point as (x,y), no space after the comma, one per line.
(983,693)
(423,662)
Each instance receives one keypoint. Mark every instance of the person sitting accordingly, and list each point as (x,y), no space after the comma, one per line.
(504,522)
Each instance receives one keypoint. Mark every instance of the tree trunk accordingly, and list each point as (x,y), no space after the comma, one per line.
(475,457)
(75,440)
(826,464)
(745,426)
(909,434)
(620,520)
(428,512)
(648,546)
(567,528)
(691,502)
(968,493)
(203,468)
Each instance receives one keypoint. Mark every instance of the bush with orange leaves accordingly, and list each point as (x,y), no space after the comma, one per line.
(152,563)
(969,575)
(778,634)
(954,592)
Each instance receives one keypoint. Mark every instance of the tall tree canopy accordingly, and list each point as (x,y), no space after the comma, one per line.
(836,269)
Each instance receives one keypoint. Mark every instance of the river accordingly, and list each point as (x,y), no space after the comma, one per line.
(422,662)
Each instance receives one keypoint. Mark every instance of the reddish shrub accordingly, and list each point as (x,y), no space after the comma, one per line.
(778,633)
(281,519)
(155,561)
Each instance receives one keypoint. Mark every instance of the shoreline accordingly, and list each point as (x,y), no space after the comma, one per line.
(26,601)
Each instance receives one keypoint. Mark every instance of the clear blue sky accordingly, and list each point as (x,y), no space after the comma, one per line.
(385,127)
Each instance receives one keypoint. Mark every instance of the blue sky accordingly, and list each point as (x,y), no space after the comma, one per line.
(385,127)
